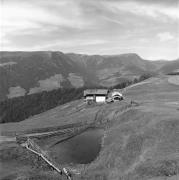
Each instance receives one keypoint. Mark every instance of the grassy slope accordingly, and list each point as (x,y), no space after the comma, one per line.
(143,142)
(140,142)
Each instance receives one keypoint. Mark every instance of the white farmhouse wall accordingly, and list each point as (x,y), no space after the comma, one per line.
(100,99)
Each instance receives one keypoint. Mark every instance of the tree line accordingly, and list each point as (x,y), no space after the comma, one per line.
(20,108)
(173,73)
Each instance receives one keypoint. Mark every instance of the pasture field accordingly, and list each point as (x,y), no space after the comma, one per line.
(140,139)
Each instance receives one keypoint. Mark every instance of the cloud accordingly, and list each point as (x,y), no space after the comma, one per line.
(165,36)
(163,2)
(26,16)
(142,9)
(90,26)
(70,44)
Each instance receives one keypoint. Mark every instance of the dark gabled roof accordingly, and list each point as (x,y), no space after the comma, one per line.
(95,92)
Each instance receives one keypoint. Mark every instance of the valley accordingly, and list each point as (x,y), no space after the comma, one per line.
(89,90)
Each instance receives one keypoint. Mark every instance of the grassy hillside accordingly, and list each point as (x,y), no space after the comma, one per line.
(140,139)
(20,108)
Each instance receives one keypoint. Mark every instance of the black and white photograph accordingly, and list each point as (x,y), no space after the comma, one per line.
(89,89)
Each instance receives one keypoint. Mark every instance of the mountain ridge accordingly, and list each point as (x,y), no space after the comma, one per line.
(27,72)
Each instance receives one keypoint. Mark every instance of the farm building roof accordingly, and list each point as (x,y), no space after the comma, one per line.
(95,92)
(116,93)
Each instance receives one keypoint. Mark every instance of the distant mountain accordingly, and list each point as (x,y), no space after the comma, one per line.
(31,72)
(113,69)
(170,66)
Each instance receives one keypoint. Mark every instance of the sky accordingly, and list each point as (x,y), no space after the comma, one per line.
(149,28)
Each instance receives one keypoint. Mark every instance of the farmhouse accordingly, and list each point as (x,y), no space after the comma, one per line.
(115,95)
(96,95)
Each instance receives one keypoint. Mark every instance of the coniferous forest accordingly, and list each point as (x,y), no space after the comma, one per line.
(20,108)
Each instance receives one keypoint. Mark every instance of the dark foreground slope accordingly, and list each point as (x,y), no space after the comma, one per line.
(140,142)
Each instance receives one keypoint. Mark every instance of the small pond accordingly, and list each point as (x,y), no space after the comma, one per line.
(81,149)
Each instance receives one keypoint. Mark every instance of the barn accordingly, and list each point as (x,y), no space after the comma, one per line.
(96,95)
(115,95)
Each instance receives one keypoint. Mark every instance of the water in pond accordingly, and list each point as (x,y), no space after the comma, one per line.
(81,149)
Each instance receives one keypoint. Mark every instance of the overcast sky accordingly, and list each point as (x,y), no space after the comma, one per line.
(147,27)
